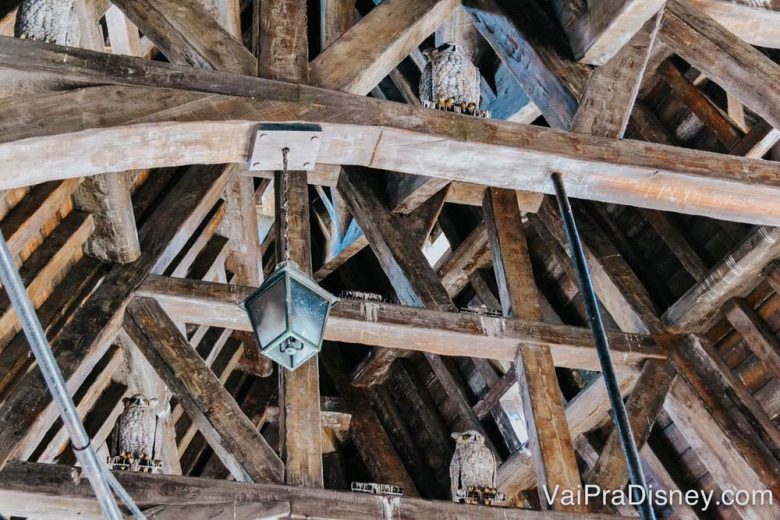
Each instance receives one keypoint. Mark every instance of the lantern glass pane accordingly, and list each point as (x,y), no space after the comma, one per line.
(309,312)
(270,314)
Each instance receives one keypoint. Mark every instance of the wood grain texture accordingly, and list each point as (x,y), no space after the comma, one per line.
(361,57)
(741,70)
(610,93)
(548,434)
(756,26)
(232,436)
(759,337)
(38,488)
(651,168)
(186,33)
(27,412)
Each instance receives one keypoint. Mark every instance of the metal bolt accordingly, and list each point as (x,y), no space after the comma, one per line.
(315,138)
(259,137)
(306,164)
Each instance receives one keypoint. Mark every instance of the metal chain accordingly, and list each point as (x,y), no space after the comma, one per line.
(285,196)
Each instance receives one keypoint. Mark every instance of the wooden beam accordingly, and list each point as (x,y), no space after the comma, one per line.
(30,489)
(658,173)
(371,440)
(756,26)
(760,339)
(642,406)
(734,276)
(741,70)
(186,33)
(232,436)
(536,65)
(744,422)
(396,326)
(27,412)
(368,51)
(548,433)
(701,106)
(605,26)
(472,254)
(610,93)
(586,411)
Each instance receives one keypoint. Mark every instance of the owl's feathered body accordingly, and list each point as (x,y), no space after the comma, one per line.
(473,465)
(450,80)
(134,432)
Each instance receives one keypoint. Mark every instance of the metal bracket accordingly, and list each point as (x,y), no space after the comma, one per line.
(269,139)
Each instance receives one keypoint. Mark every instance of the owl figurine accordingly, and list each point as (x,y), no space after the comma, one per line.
(450,81)
(134,435)
(472,469)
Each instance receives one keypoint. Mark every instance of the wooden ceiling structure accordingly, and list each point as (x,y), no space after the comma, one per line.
(138,228)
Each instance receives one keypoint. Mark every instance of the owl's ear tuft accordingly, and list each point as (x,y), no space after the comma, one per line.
(455,435)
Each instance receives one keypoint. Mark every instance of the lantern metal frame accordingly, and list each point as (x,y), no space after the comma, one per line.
(280,345)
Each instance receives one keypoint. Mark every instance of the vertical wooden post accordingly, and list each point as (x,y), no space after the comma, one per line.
(548,430)
(284,56)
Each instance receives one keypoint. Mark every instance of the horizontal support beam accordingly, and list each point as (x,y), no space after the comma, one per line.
(89,131)
(409,328)
(55,491)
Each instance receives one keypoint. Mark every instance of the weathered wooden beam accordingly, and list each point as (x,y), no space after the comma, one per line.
(755,25)
(371,440)
(368,51)
(472,254)
(27,412)
(396,326)
(232,436)
(511,32)
(744,422)
(676,241)
(701,105)
(733,276)
(728,179)
(185,32)
(586,411)
(610,93)
(54,491)
(643,406)
(757,335)
(604,27)
(548,433)
(741,70)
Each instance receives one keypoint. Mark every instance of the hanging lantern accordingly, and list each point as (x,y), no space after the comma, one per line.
(289,310)
(288,314)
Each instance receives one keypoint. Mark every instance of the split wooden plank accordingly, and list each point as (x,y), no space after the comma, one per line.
(548,433)
(30,489)
(185,32)
(758,336)
(232,436)
(741,70)
(27,412)
(368,51)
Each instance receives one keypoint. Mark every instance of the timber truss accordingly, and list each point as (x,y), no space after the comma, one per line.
(138,229)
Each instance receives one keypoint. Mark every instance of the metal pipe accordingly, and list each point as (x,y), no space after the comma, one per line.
(593,313)
(85,453)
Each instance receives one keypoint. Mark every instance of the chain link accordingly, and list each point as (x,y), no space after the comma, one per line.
(285,197)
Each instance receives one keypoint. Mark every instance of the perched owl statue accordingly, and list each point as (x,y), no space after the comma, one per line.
(134,436)
(472,470)
(450,81)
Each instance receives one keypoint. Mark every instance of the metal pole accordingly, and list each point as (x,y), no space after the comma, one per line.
(622,424)
(85,453)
